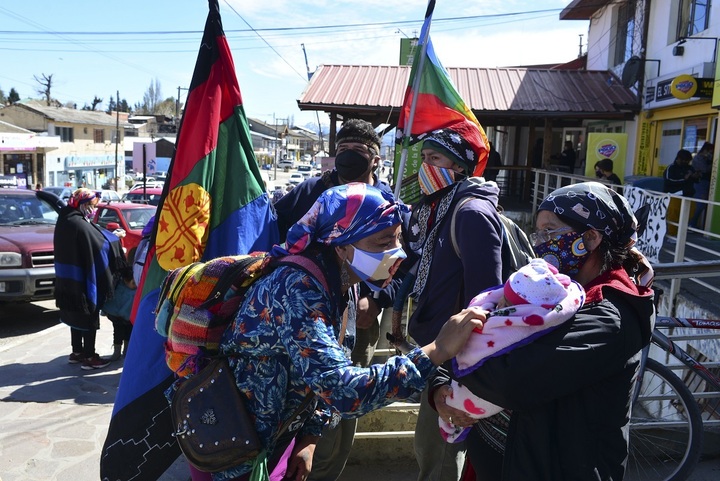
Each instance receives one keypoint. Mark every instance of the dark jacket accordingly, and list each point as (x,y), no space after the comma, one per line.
(570,390)
(86,258)
(453,281)
(676,179)
(295,204)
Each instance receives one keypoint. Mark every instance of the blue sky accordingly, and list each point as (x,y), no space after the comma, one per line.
(95,48)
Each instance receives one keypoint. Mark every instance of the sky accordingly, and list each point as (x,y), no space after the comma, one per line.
(98,48)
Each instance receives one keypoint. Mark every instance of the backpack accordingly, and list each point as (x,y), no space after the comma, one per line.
(197,302)
(516,247)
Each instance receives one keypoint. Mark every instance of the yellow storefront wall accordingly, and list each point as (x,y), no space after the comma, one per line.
(648,145)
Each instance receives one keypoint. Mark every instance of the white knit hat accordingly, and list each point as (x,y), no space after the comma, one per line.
(537,283)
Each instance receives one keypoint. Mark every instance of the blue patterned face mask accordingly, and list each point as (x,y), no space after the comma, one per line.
(375,268)
(565,251)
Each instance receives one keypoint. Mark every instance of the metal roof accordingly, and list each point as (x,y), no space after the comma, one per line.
(64,114)
(490,92)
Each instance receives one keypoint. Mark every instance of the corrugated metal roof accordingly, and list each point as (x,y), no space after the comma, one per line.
(496,91)
(64,114)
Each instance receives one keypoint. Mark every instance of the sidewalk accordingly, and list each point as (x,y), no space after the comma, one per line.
(54,416)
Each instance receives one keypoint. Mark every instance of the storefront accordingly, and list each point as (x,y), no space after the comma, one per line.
(678,115)
(91,171)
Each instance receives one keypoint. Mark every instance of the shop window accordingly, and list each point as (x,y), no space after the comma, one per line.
(66,134)
(99,136)
(694,134)
(693,17)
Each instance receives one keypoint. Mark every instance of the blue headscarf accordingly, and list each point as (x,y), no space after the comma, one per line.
(342,215)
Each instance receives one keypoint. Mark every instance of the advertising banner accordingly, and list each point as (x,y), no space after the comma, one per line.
(605,145)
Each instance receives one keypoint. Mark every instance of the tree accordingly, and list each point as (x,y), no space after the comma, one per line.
(111,105)
(2,97)
(96,101)
(166,107)
(152,98)
(45,87)
(13,96)
(124,107)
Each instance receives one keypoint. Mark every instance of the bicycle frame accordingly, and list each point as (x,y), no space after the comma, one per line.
(662,341)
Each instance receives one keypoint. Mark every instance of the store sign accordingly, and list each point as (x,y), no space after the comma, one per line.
(91,161)
(684,87)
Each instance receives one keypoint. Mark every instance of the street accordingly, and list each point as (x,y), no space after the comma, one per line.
(54,416)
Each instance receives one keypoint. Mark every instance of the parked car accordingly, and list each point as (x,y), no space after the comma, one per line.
(130,216)
(286,163)
(107,195)
(27,225)
(148,184)
(160,175)
(149,196)
(296,178)
(62,192)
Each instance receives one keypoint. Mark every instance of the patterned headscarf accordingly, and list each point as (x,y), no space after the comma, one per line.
(461,143)
(595,206)
(82,196)
(343,215)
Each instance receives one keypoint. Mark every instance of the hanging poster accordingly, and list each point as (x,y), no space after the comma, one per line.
(605,145)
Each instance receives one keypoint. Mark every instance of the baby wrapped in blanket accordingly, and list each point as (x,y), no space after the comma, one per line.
(533,301)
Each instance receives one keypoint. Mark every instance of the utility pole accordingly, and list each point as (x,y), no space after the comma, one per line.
(580,46)
(177,107)
(275,155)
(117,138)
(317,114)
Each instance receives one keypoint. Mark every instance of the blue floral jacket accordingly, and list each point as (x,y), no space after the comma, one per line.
(283,343)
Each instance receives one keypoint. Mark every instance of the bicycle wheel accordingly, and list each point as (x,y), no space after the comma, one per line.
(665,428)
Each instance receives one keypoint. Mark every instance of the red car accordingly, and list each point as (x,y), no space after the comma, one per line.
(130,217)
(151,196)
(27,225)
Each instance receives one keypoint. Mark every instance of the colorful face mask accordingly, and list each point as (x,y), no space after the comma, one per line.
(433,178)
(565,251)
(376,268)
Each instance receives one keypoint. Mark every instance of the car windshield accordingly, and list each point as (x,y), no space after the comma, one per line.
(138,218)
(25,210)
(152,199)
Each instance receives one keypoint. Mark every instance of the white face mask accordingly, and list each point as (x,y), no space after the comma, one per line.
(376,268)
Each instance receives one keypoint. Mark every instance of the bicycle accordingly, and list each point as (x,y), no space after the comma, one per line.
(666,426)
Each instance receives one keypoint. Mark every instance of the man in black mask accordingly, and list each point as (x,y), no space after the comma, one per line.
(356,160)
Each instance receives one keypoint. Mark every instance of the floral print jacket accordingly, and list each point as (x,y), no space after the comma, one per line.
(283,343)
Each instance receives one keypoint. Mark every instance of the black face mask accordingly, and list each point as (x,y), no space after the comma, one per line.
(350,165)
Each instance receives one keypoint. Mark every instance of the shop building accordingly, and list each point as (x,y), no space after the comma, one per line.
(87,153)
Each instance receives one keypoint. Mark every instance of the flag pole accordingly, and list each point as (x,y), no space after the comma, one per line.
(413,103)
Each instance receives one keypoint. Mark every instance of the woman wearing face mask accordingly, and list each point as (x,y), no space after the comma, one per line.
(86,258)
(283,343)
(570,391)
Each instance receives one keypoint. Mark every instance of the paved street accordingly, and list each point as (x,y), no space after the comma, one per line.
(54,415)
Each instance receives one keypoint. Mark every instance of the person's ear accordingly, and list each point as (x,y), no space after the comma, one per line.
(342,252)
(592,239)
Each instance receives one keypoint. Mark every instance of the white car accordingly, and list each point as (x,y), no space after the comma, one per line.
(154,184)
(296,178)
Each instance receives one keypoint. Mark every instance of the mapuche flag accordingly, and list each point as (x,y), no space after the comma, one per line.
(431,102)
(214,204)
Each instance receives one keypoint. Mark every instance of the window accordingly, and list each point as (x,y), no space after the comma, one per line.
(65,133)
(99,136)
(692,17)
(625,32)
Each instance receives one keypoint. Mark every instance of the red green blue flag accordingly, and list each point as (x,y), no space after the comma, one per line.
(214,203)
(431,102)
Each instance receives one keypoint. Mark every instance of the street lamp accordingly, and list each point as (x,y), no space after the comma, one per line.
(679,49)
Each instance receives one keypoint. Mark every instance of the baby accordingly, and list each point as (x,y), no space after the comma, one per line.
(533,301)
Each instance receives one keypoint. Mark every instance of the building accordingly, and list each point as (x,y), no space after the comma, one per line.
(22,155)
(87,154)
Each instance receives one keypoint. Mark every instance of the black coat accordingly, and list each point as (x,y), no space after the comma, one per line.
(570,390)
(86,259)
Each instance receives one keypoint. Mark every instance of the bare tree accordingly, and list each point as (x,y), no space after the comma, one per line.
(45,87)
(96,101)
(152,97)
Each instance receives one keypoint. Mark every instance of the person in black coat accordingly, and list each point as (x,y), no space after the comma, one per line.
(86,259)
(570,390)
(680,175)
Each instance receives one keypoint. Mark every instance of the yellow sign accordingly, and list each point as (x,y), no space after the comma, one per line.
(684,87)
(604,145)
